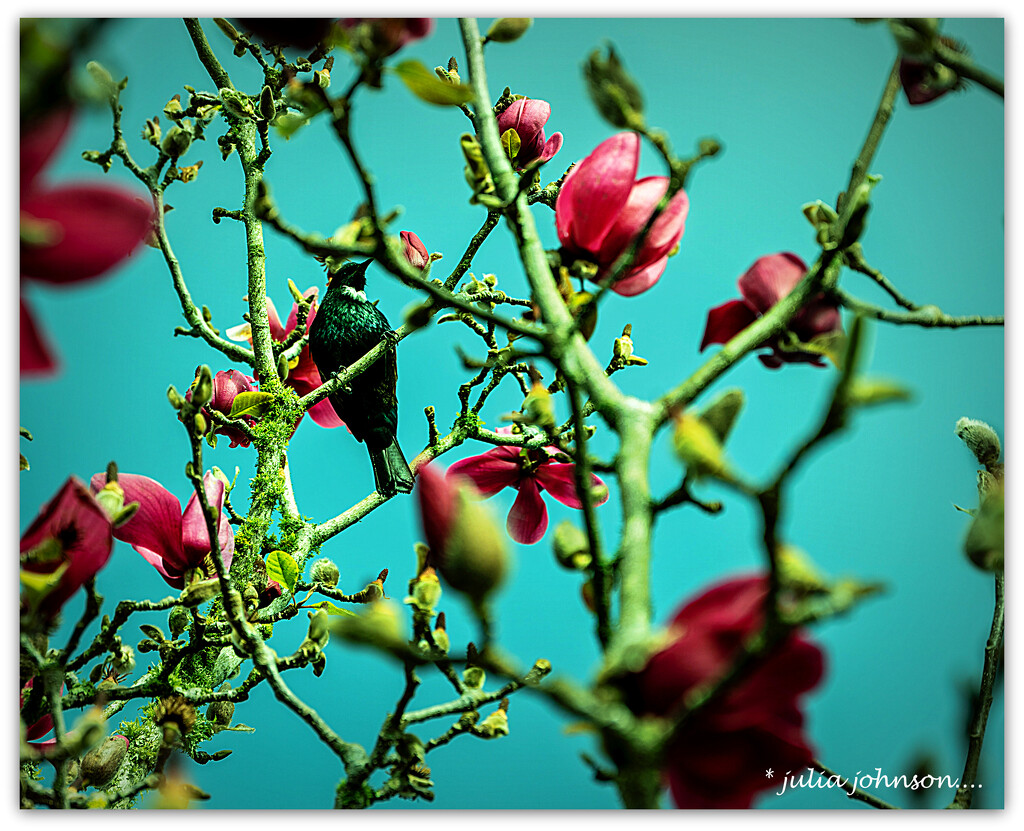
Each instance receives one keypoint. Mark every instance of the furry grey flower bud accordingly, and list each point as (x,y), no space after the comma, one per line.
(980,439)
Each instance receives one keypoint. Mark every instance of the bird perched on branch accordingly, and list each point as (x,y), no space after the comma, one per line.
(345,328)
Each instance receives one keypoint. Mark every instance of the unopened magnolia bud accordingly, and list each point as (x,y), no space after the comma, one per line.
(178,620)
(236,103)
(980,439)
(426,590)
(985,538)
(100,765)
(571,546)
(202,387)
(176,142)
(475,556)
(720,414)
(175,397)
(474,677)
(318,630)
(540,668)
(508,29)
(221,713)
(441,638)
(859,205)
(103,79)
(326,572)
(697,446)
(199,424)
(173,107)
(200,592)
(267,109)
(495,725)
(613,91)
(229,31)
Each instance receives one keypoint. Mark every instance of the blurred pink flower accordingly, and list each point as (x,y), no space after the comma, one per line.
(600,210)
(71,528)
(529,472)
(303,377)
(227,385)
(763,285)
(69,233)
(415,251)
(719,758)
(527,116)
(389,34)
(174,543)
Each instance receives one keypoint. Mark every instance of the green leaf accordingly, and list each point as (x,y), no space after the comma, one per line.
(250,404)
(333,610)
(426,86)
(510,143)
(282,568)
(866,392)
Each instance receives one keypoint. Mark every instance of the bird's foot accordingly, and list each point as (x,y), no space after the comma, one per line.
(391,338)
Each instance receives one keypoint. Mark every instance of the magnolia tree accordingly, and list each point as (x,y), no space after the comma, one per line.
(264,596)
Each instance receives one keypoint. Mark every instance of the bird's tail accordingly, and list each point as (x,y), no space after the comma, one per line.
(391,472)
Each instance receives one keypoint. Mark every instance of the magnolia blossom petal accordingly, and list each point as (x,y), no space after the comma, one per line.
(175,578)
(595,191)
(75,519)
(40,142)
(323,414)
(639,206)
(35,355)
(639,280)
(770,279)
(435,493)
(819,317)
(559,479)
(528,518)
(156,525)
(727,321)
(551,146)
(491,471)
(277,331)
(195,539)
(97,227)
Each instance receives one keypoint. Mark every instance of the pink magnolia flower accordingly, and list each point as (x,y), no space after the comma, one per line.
(389,34)
(601,209)
(529,472)
(763,285)
(415,251)
(173,542)
(227,385)
(69,233)
(72,529)
(722,752)
(527,116)
(303,377)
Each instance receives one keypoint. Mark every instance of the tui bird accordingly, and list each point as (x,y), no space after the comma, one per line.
(345,328)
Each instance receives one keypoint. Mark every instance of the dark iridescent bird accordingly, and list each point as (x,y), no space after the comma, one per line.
(345,328)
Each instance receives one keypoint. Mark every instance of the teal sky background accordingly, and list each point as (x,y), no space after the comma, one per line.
(791,101)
